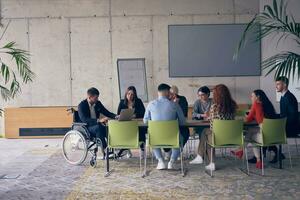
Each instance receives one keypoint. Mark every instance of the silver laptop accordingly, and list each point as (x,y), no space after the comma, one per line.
(126,115)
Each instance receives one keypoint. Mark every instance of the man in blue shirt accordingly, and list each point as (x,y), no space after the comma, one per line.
(162,109)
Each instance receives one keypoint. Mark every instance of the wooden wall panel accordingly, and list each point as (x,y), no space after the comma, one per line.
(35,117)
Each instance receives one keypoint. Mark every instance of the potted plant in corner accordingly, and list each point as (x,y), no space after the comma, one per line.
(11,76)
(275,21)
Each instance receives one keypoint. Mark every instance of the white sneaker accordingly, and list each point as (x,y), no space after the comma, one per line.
(211,167)
(170,164)
(168,155)
(197,160)
(129,154)
(161,165)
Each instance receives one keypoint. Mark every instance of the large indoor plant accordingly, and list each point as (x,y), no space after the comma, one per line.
(275,22)
(12,75)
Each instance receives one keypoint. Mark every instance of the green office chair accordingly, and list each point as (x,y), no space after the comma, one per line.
(273,133)
(124,135)
(165,134)
(227,134)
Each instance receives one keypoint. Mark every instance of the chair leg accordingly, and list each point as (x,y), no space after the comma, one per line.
(244,156)
(107,172)
(204,155)
(296,146)
(262,160)
(181,161)
(140,162)
(145,164)
(211,155)
(290,157)
(152,158)
(246,159)
(150,152)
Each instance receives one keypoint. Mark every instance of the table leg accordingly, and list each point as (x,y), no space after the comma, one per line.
(107,159)
(107,156)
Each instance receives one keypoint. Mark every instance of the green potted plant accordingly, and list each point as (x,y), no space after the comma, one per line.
(275,21)
(11,76)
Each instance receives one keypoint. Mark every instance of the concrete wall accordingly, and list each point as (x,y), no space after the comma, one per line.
(75,44)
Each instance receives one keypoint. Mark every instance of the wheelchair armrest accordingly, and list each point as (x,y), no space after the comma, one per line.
(79,124)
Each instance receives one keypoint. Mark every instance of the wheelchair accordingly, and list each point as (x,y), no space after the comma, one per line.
(77,143)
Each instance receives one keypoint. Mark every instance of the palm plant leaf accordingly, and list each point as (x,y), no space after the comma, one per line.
(21,58)
(284,64)
(5,72)
(11,85)
(274,19)
(5,93)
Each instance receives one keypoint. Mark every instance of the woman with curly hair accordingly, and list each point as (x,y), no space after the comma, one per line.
(224,108)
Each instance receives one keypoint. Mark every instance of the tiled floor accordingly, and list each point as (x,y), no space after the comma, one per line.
(44,174)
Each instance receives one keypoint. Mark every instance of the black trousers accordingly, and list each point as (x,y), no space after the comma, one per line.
(142,136)
(99,131)
(271,148)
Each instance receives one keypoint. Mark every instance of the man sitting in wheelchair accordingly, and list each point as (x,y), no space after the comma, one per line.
(89,111)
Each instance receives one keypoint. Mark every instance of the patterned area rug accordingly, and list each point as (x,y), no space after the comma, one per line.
(229,182)
(53,178)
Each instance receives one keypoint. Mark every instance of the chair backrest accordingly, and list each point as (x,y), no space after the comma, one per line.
(123,134)
(228,132)
(76,117)
(163,134)
(273,131)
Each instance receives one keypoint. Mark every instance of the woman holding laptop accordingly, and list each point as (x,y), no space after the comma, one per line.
(131,101)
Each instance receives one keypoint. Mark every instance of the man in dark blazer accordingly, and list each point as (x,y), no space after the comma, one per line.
(183,104)
(89,111)
(288,106)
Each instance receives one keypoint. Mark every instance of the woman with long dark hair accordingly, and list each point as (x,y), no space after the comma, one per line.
(261,108)
(224,108)
(131,101)
(259,96)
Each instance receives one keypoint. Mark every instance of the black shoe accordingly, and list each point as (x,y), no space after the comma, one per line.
(275,160)
(252,160)
(121,153)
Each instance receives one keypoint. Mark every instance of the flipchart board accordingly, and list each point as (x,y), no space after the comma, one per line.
(132,72)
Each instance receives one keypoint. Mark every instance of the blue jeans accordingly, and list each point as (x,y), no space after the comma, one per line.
(183,138)
(158,154)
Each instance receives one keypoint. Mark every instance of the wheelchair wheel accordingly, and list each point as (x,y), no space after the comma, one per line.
(74,147)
